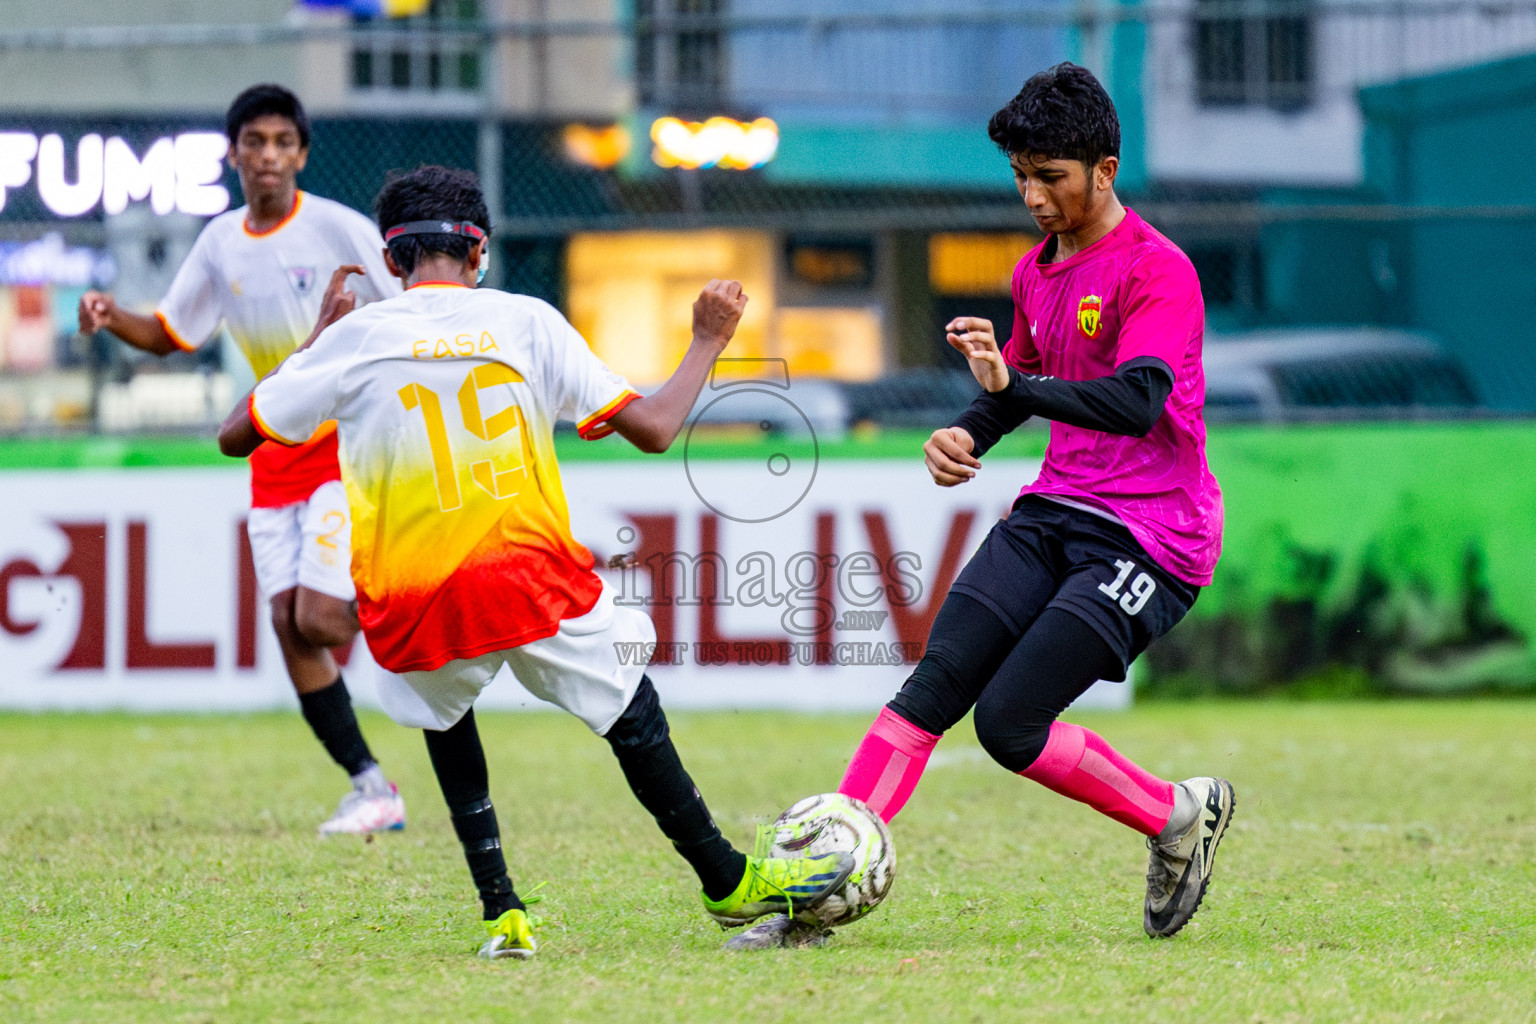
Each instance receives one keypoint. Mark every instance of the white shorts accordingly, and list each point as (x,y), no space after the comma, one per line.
(578,669)
(306,544)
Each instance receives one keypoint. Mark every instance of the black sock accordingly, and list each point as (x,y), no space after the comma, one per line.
(643,744)
(329,713)
(458,759)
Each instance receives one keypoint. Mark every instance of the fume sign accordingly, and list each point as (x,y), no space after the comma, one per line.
(181,172)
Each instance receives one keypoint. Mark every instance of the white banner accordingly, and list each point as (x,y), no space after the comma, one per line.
(803,585)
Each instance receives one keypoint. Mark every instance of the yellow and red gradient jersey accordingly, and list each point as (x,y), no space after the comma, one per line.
(266,288)
(445,400)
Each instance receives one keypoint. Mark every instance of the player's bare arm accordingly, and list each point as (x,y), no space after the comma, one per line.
(238,436)
(99,311)
(652,423)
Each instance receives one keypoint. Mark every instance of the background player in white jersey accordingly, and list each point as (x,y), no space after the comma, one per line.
(259,270)
(446,399)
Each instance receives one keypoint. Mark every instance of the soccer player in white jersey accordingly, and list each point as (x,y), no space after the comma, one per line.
(445,399)
(260,270)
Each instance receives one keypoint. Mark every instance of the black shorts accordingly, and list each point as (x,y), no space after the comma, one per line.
(1049,555)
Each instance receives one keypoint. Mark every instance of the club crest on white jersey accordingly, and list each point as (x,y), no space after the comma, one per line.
(302,279)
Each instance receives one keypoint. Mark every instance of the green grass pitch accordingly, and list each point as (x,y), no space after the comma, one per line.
(1380,868)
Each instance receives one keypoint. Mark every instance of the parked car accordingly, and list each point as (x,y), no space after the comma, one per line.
(808,406)
(1332,373)
(1273,375)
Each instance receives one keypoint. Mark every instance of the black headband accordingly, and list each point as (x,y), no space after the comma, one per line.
(435,227)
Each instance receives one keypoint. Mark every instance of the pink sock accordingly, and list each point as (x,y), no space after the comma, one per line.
(1079,764)
(887,765)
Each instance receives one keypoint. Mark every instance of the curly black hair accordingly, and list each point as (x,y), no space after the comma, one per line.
(1062,113)
(260,100)
(431,193)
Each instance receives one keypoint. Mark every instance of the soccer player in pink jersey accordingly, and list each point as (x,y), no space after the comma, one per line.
(1108,548)
(259,271)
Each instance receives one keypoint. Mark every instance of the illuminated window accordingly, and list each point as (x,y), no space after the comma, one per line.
(631,295)
(822,341)
(975,263)
(830,263)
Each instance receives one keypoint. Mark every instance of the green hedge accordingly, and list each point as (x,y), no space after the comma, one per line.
(1393,558)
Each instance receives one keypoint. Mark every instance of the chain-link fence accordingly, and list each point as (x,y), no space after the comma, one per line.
(1270,138)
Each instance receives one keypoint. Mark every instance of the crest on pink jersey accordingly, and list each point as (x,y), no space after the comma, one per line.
(1090,309)
(302,279)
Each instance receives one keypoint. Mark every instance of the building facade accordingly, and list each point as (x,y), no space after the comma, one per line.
(866,209)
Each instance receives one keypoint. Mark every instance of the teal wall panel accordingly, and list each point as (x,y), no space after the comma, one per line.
(1457,139)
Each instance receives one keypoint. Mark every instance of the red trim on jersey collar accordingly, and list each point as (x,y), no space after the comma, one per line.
(298,200)
(437,284)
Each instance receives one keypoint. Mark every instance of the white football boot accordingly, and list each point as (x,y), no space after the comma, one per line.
(361,812)
(1179,866)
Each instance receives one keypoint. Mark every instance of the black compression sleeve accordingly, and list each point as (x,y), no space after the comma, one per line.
(992,416)
(1129,401)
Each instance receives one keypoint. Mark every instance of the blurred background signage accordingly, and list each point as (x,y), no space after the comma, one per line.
(718,142)
(371,8)
(174,173)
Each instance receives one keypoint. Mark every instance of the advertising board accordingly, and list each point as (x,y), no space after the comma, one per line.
(812,588)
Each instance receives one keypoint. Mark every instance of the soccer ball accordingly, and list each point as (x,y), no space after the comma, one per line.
(834,823)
